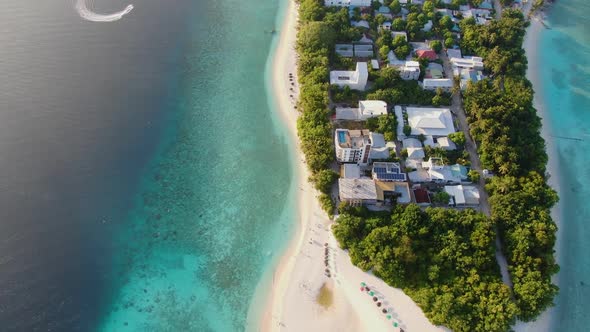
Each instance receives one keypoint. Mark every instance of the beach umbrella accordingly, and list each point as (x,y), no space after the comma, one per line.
(395,324)
(384,311)
(379,304)
(367,289)
(362,289)
(388,317)
(371,293)
(374,299)
(363,284)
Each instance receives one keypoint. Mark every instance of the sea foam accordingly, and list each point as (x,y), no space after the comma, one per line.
(89,15)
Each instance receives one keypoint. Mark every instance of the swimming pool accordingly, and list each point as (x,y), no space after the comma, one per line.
(341,137)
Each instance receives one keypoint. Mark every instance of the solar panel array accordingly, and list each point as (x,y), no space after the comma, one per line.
(393,174)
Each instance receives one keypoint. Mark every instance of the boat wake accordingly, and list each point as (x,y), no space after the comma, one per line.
(89,15)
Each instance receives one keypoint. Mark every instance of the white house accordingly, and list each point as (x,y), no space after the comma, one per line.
(357,192)
(445,143)
(463,195)
(433,122)
(472,62)
(347,3)
(372,108)
(352,146)
(363,51)
(446,84)
(360,24)
(434,170)
(408,70)
(469,75)
(379,149)
(415,152)
(356,80)
(367,109)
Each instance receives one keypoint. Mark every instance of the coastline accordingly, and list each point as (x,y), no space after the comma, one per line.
(532,49)
(299,275)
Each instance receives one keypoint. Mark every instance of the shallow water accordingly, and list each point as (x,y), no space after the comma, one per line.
(145,182)
(564,72)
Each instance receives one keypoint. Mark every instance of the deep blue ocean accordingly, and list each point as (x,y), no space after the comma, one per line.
(563,89)
(145,183)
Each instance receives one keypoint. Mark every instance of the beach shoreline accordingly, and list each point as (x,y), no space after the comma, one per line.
(290,303)
(532,49)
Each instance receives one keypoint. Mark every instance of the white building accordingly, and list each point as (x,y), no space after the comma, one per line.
(357,192)
(463,195)
(469,75)
(379,149)
(367,109)
(446,84)
(357,50)
(415,152)
(408,70)
(472,62)
(387,192)
(352,146)
(445,143)
(356,80)
(433,122)
(347,3)
(454,53)
(434,170)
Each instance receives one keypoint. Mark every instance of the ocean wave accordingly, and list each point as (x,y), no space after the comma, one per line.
(89,15)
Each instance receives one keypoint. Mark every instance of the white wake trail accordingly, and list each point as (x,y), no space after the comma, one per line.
(89,15)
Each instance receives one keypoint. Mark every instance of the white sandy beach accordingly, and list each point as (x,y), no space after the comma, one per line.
(532,48)
(291,304)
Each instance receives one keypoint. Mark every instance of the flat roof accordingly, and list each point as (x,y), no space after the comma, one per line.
(430,121)
(357,189)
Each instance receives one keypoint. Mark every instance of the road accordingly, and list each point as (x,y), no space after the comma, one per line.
(459,112)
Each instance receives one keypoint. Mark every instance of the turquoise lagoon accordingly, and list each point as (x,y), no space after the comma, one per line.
(214,207)
(563,87)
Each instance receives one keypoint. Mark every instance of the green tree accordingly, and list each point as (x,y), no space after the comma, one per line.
(458,138)
(324,179)
(449,42)
(315,36)
(473,176)
(395,7)
(436,46)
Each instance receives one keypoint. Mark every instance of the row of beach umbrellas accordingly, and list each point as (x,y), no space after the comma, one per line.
(365,288)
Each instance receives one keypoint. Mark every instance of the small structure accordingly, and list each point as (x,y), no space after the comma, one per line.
(365,39)
(463,195)
(446,84)
(360,24)
(421,196)
(428,26)
(469,75)
(356,80)
(388,172)
(385,11)
(434,70)
(445,143)
(375,64)
(357,192)
(427,54)
(454,53)
(389,191)
(350,171)
(433,122)
(347,3)
(356,50)
(345,50)
(385,26)
(379,150)
(363,50)
(408,70)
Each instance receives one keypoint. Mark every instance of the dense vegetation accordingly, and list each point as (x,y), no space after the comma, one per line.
(507,129)
(442,258)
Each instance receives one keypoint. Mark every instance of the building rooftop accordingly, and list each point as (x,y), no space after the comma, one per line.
(463,195)
(357,189)
(388,172)
(370,108)
(421,196)
(350,171)
(427,54)
(400,189)
(354,139)
(430,121)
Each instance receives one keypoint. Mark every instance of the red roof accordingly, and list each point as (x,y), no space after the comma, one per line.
(421,196)
(428,54)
